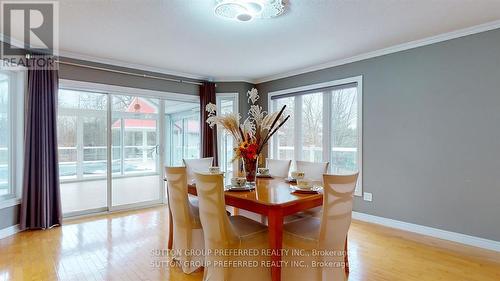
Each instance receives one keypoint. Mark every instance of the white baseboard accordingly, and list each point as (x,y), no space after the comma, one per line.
(8,231)
(429,231)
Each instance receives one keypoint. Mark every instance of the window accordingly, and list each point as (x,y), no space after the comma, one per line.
(226,103)
(325,125)
(11,118)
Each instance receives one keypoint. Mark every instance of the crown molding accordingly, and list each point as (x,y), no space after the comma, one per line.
(390,50)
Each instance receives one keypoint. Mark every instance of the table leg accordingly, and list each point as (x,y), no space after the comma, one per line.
(275,220)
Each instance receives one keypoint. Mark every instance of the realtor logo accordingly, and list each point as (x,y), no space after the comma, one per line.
(32,26)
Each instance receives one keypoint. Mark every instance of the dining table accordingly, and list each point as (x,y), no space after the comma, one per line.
(275,199)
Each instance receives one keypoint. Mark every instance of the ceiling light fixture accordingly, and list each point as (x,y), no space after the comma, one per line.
(246,10)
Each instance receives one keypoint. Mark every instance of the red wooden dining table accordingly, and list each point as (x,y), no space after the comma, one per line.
(272,198)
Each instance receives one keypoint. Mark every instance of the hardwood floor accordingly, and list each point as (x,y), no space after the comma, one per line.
(127,246)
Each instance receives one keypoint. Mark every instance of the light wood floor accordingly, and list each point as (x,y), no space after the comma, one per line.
(119,247)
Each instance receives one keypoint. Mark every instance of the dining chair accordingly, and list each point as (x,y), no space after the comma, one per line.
(197,165)
(312,170)
(187,230)
(228,235)
(327,234)
(278,168)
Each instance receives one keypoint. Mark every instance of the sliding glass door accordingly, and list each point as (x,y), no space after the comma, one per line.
(82,137)
(135,150)
(114,142)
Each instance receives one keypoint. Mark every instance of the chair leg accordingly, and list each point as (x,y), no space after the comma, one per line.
(346,257)
(170,230)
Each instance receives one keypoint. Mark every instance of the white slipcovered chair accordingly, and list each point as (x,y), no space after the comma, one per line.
(197,165)
(278,168)
(327,234)
(313,170)
(187,231)
(225,234)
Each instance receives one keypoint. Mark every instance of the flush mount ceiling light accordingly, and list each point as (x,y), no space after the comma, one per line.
(246,10)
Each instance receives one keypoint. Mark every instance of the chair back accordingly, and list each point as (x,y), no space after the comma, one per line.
(278,168)
(197,165)
(216,226)
(337,210)
(179,205)
(217,230)
(335,222)
(313,170)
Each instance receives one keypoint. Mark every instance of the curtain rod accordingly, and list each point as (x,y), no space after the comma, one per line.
(131,73)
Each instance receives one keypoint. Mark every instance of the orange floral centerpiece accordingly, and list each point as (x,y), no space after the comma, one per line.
(253,135)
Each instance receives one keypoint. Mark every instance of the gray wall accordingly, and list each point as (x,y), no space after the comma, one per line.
(430,133)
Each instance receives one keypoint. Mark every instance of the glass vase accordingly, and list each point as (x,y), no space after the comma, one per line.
(250,166)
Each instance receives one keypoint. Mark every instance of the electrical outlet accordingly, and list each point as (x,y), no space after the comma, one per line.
(367,196)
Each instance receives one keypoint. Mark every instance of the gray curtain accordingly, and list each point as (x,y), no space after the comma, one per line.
(41,200)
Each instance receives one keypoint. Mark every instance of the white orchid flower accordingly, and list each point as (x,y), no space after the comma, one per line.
(211,108)
(253,95)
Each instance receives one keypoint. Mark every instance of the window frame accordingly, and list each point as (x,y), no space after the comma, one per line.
(218,98)
(15,115)
(327,111)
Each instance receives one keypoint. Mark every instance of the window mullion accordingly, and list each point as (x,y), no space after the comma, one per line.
(109,145)
(327,128)
(122,146)
(298,128)
(79,147)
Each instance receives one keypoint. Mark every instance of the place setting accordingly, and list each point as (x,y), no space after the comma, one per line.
(294,176)
(299,184)
(306,186)
(239,184)
(263,173)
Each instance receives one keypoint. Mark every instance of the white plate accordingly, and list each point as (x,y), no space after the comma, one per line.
(314,189)
(239,188)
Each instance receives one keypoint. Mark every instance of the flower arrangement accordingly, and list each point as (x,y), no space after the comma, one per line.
(253,134)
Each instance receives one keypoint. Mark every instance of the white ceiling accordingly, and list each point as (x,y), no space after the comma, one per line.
(184,36)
